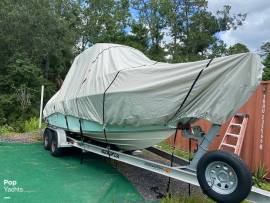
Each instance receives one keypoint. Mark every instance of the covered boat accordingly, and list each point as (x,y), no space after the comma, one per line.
(115,94)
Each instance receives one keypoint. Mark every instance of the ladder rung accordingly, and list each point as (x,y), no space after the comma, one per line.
(236,124)
(233,135)
(241,115)
(228,145)
(239,124)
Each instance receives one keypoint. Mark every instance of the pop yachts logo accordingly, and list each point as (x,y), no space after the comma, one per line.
(12,186)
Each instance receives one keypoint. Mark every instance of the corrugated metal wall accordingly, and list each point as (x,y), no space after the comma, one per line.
(256,146)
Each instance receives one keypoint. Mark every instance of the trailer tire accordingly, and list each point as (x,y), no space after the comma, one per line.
(47,139)
(224,177)
(55,150)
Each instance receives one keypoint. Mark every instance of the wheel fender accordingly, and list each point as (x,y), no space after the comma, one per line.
(61,137)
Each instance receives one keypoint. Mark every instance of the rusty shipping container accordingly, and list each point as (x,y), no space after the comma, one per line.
(256,146)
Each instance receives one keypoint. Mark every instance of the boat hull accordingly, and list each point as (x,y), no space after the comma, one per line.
(127,138)
(132,140)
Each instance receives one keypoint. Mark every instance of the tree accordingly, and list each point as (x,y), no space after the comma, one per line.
(36,42)
(266,70)
(193,29)
(19,83)
(265,49)
(39,39)
(196,27)
(238,48)
(218,49)
(43,31)
(265,52)
(227,21)
(104,21)
(152,15)
(138,37)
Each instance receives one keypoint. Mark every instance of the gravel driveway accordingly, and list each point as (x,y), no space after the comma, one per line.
(152,186)
(26,138)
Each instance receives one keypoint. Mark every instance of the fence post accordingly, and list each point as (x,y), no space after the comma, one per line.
(41,106)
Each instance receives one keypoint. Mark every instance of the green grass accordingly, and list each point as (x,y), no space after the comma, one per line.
(264,185)
(178,152)
(30,125)
(192,199)
(6,129)
(259,178)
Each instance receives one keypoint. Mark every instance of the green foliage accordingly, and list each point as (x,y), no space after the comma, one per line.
(266,70)
(218,48)
(104,21)
(178,152)
(227,21)
(20,83)
(152,14)
(138,37)
(31,124)
(264,185)
(6,129)
(259,178)
(36,45)
(259,175)
(192,199)
(21,126)
(265,49)
(40,29)
(238,48)
(39,39)
(193,29)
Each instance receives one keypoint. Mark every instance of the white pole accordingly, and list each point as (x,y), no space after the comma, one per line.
(41,106)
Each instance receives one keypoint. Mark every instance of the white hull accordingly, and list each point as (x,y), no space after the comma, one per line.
(127,138)
(132,140)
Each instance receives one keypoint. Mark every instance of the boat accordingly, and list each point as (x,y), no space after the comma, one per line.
(116,95)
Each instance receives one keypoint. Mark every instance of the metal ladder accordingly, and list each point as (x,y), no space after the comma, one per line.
(235,133)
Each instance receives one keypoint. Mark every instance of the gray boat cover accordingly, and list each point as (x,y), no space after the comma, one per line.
(141,92)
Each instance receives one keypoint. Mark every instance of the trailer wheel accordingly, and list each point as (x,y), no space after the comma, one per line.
(47,139)
(55,150)
(224,177)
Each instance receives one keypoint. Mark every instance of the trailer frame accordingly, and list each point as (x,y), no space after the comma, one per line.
(185,173)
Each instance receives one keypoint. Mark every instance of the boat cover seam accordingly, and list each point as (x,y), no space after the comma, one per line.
(103,112)
(190,89)
(177,127)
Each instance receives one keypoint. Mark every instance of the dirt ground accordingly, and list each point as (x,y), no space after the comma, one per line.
(27,138)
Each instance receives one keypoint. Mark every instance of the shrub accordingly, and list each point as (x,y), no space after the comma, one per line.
(5,129)
(259,175)
(192,199)
(31,124)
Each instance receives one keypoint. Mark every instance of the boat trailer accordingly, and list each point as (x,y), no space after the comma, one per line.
(220,173)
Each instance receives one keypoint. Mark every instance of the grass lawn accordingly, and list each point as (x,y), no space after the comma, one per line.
(264,185)
(178,152)
(192,199)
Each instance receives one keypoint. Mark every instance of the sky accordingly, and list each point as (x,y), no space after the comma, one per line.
(256,28)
